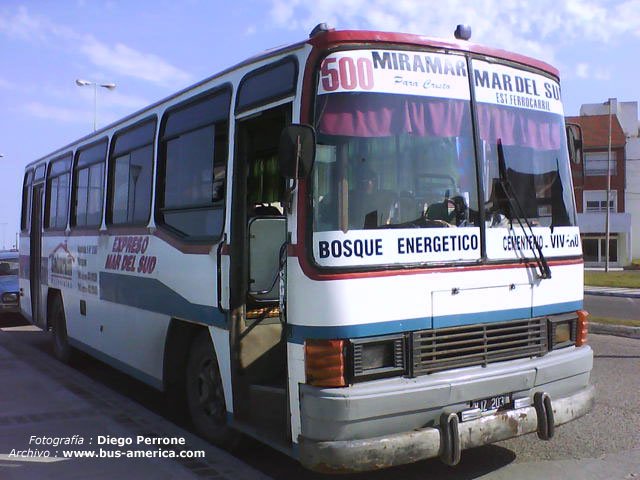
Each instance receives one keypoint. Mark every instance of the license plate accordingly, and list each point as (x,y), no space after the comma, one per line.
(499,402)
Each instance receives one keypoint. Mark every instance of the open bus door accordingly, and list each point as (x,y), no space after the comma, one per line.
(35,255)
(259,236)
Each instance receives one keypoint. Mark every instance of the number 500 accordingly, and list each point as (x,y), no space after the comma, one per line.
(348,74)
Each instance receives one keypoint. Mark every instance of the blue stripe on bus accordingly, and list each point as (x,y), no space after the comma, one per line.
(298,333)
(540,310)
(117,364)
(153,295)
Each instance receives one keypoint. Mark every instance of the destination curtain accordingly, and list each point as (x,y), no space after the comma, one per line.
(376,115)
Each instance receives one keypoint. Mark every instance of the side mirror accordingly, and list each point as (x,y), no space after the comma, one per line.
(574,142)
(297,151)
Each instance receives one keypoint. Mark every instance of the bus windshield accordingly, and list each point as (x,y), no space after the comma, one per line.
(530,127)
(396,151)
(394,160)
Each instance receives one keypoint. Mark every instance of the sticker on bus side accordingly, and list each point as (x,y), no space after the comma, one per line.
(401,72)
(501,85)
(395,246)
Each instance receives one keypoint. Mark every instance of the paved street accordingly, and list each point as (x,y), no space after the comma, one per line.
(603,445)
(613,307)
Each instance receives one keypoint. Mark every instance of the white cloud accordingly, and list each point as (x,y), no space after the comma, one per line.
(59,114)
(112,99)
(5,84)
(586,71)
(21,25)
(536,28)
(124,60)
(582,70)
(80,116)
(119,59)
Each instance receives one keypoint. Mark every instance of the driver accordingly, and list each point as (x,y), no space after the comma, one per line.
(369,207)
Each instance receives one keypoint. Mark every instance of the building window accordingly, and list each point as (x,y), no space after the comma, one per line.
(595,249)
(596,201)
(595,163)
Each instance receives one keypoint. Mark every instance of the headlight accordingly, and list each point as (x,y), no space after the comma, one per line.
(377,357)
(10,297)
(562,331)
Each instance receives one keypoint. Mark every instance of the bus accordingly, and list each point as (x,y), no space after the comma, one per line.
(361,248)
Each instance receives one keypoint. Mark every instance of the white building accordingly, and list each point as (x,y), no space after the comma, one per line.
(627,115)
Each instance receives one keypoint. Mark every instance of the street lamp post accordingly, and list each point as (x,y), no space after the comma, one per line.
(86,83)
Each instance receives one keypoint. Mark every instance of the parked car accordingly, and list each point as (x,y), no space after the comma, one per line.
(9,290)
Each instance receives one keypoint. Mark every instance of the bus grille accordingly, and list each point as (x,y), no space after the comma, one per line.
(454,347)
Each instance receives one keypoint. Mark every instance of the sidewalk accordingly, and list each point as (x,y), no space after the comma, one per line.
(612,291)
(49,411)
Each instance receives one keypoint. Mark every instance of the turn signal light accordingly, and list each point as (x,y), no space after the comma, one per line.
(325,364)
(583,328)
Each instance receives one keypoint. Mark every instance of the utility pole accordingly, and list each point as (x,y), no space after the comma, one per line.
(608,221)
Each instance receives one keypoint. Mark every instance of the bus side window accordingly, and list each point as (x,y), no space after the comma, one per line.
(88,185)
(192,164)
(57,193)
(130,175)
(25,220)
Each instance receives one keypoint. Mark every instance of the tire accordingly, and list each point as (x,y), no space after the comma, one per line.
(205,395)
(61,348)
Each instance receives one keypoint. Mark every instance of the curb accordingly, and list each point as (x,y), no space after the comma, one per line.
(611,294)
(617,330)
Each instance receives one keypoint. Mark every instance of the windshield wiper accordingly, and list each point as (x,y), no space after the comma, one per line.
(541,261)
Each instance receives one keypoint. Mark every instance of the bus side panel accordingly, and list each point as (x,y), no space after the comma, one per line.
(72,269)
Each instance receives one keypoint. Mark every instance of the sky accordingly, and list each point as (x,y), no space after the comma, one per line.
(151,49)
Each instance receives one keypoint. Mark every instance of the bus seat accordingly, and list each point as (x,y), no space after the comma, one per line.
(265,210)
(438,211)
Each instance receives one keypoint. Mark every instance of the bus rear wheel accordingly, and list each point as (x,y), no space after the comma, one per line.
(61,348)
(205,395)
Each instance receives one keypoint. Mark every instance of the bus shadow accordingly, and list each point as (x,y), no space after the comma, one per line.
(475,463)
(10,320)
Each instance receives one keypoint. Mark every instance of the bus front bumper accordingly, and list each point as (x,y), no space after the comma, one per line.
(408,447)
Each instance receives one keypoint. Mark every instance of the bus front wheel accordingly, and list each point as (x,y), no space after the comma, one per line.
(205,395)
(61,348)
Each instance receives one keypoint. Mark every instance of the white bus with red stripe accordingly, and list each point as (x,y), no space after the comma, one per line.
(361,248)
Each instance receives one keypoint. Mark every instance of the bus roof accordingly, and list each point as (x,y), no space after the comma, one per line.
(332,37)
(326,39)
